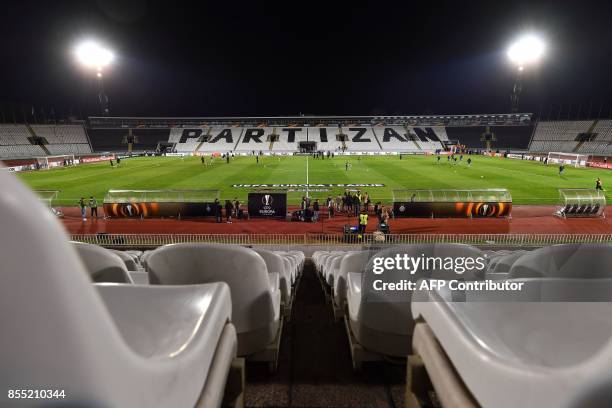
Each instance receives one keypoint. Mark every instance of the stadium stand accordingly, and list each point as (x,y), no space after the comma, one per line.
(221,140)
(558,136)
(590,137)
(15,140)
(116,140)
(411,139)
(104,344)
(599,142)
(505,137)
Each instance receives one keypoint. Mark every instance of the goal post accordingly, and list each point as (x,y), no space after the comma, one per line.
(62,160)
(574,159)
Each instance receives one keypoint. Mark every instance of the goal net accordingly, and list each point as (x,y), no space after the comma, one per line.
(47,197)
(572,159)
(49,162)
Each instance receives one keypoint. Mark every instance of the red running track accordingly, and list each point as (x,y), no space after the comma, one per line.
(526,219)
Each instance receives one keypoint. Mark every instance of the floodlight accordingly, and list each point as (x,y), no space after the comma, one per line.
(93,55)
(527,49)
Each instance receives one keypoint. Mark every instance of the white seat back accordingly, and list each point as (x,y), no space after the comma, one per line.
(102,264)
(276,264)
(583,261)
(389,311)
(56,331)
(351,262)
(241,268)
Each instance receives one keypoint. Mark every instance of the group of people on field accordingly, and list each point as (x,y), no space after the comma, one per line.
(232,208)
(352,204)
(93,207)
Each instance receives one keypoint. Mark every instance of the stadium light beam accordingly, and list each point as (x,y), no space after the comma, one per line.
(527,50)
(93,55)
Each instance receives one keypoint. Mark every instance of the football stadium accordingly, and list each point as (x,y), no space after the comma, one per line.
(386,260)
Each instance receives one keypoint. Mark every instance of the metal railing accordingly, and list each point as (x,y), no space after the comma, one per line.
(506,240)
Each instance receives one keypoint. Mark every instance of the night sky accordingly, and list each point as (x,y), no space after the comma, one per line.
(257,58)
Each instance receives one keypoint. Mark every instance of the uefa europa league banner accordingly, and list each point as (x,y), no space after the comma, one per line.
(158,210)
(272,205)
(452,209)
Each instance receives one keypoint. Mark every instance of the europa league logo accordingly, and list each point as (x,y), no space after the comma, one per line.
(267,199)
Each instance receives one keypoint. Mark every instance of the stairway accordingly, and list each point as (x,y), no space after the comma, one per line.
(412,138)
(591,128)
(41,143)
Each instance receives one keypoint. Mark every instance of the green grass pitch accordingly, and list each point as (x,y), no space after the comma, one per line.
(528,182)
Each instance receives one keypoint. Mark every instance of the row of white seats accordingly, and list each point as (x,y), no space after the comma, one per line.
(61,134)
(11,135)
(548,345)
(561,130)
(261,283)
(22,150)
(103,344)
(545,146)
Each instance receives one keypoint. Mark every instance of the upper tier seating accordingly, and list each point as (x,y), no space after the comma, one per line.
(255,293)
(558,136)
(504,137)
(62,139)
(105,345)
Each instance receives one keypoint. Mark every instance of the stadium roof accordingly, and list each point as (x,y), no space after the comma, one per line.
(410,120)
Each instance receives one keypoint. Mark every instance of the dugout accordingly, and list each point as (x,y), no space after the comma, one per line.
(160,203)
(434,203)
(581,202)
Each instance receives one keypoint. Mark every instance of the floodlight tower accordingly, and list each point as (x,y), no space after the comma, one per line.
(527,50)
(95,56)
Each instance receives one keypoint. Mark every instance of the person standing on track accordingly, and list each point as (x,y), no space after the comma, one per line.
(93,207)
(316,208)
(83,208)
(363,221)
(229,209)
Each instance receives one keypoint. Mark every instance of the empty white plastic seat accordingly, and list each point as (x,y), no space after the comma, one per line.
(381,320)
(255,293)
(536,348)
(354,262)
(103,265)
(59,333)
(505,262)
(565,261)
(128,260)
(276,264)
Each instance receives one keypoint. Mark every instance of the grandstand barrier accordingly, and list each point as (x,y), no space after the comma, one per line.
(581,202)
(486,203)
(488,240)
(267,203)
(160,203)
